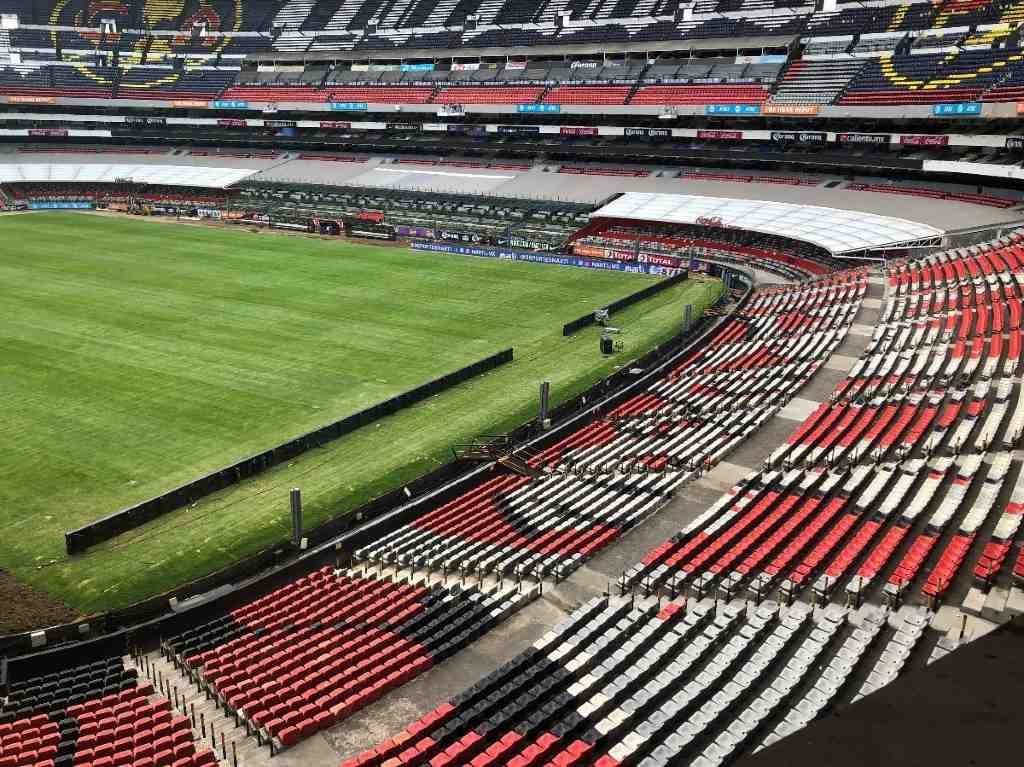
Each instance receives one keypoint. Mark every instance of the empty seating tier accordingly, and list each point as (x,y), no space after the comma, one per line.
(94,714)
(637,683)
(313,652)
(593,485)
(884,489)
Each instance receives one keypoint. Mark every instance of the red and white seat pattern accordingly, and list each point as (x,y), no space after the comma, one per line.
(887,485)
(623,682)
(606,477)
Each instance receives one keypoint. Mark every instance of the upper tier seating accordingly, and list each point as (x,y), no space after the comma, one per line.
(816,82)
(320,648)
(598,482)
(885,486)
(256,15)
(931,78)
(94,714)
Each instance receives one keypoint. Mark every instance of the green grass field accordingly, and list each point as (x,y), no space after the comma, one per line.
(139,355)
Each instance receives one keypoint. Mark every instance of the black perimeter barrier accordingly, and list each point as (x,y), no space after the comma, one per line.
(331,543)
(588,319)
(105,528)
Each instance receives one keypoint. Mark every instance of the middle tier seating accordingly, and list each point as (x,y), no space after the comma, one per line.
(681,95)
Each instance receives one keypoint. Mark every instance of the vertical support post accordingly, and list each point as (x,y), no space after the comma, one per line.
(296,503)
(545,400)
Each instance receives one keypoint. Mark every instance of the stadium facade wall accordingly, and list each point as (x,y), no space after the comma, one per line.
(105,528)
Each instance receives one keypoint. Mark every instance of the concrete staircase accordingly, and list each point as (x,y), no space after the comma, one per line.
(213,728)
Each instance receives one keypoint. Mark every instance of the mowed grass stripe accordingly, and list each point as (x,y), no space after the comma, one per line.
(139,355)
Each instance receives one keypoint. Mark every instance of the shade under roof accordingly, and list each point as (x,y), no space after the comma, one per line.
(836,230)
(169,175)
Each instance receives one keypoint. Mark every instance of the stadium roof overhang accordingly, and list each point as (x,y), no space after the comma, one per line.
(166,175)
(838,231)
(541,49)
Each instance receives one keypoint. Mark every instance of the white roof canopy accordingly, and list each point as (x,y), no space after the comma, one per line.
(169,175)
(838,231)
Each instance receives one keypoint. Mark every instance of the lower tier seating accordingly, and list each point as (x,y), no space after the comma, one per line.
(316,650)
(95,714)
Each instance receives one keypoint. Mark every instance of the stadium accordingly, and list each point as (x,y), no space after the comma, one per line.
(511,382)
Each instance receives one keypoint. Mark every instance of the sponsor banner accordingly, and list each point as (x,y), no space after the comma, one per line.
(590,251)
(33,100)
(1015,142)
(661,259)
(53,132)
(229,104)
(539,258)
(713,221)
(335,124)
(279,124)
(518,128)
(793,110)
(954,110)
(732,109)
(573,130)
(467,130)
(801,137)
(584,65)
(136,120)
(721,135)
(59,205)
(546,108)
(232,122)
(524,242)
(402,126)
(403,230)
(924,140)
(699,267)
(347,106)
(375,216)
(648,132)
(190,104)
(862,138)
(469,66)
(417,67)
(515,65)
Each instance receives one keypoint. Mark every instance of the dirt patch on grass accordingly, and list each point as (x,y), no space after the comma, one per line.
(23,608)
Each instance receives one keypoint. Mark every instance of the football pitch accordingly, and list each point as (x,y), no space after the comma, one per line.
(138,355)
